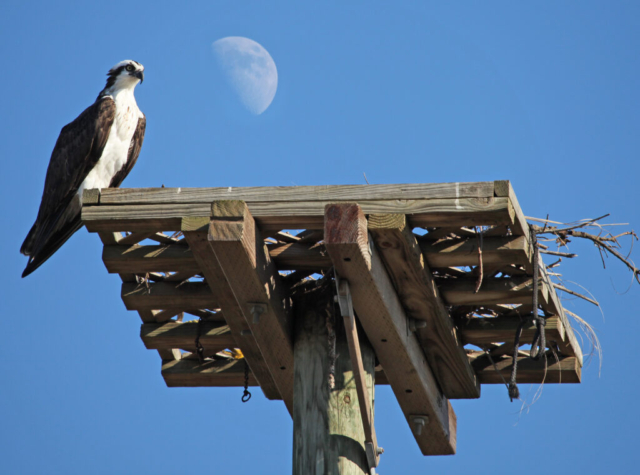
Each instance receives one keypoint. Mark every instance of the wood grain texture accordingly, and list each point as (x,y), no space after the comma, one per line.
(514,290)
(149,258)
(328,435)
(296,193)
(482,331)
(190,373)
(566,369)
(301,214)
(162,295)
(252,277)
(384,321)
(464,252)
(213,336)
(199,245)
(421,300)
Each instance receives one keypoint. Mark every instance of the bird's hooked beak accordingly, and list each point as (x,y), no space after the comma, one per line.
(140,75)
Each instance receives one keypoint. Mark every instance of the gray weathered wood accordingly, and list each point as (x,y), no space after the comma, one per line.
(482,331)
(567,369)
(253,278)
(162,295)
(386,325)
(301,214)
(414,284)
(213,336)
(328,435)
(293,193)
(199,244)
(464,252)
(190,373)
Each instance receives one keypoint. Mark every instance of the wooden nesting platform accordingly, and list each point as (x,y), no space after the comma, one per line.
(410,255)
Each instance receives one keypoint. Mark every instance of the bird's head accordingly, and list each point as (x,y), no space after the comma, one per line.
(125,75)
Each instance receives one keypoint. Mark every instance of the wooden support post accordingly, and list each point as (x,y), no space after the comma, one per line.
(241,261)
(199,244)
(387,327)
(328,434)
(419,295)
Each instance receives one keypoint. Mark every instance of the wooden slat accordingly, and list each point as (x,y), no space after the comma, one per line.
(299,256)
(294,193)
(515,290)
(420,298)
(302,214)
(464,252)
(179,258)
(384,321)
(165,296)
(214,336)
(190,373)
(567,370)
(482,331)
(153,258)
(199,244)
(241,253)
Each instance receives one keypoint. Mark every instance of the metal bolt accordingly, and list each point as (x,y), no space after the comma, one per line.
(418,423)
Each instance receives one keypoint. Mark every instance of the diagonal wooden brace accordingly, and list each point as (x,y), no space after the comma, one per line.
(346,310)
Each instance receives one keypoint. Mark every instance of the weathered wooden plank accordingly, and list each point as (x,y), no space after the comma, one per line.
(503,188)
(464,252)
(150,258)
(220,373)
(327,423)
(294,193)
(165,296)
(199,244)
(514,290)
(420,298)
(299,256)
(213,336)
(301,214)
(566,369)
(253,278)
(483,331)
(384,321)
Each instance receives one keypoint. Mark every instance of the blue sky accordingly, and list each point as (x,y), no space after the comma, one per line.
(544,94)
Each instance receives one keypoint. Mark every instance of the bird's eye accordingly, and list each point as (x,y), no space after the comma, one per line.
(129,67)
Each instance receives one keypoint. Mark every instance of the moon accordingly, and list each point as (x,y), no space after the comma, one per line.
(249,69)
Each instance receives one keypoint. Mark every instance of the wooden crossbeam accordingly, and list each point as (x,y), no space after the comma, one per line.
(464,252)
(237,246)
(384,321)
(149,258)
(483,331)
(190,373)
(420,298)
(410,191)
(302,214)
(296,256)
(567,369)
(213,336)
(163,295)
(179,258)
(233,314)
(515,290)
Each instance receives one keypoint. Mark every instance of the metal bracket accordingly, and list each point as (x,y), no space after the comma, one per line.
(257,309)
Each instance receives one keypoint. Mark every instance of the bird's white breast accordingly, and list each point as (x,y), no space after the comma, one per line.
(116,150)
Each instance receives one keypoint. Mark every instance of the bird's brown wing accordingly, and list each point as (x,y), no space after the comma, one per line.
(76,152)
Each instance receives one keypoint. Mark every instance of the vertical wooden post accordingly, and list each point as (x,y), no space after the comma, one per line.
(328,436)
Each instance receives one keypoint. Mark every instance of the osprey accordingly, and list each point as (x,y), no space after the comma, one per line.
(97,150)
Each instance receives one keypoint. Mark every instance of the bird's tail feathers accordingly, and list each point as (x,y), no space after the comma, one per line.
(49,237)
(27,245)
